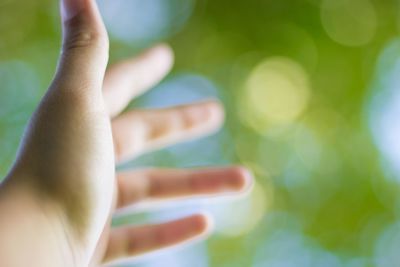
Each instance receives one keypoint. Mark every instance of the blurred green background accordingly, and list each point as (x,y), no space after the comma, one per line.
(312,92)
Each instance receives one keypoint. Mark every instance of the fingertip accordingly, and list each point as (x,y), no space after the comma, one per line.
(216,107)
(215,112)
(71,8)
(242,179)
(206,115)
(209,223)
(202,224)
(163,56)
(165,50)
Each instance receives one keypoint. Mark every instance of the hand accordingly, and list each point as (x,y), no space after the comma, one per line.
(59,197)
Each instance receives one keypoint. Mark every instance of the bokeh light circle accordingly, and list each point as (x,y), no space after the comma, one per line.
(142,22)
(290,248)
(387,247)
(276,92)
(351,23)
(383,110)
(240,216)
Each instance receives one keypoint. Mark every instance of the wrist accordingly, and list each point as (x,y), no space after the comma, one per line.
(33,226)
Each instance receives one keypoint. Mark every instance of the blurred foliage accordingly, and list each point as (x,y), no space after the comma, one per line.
(324,197)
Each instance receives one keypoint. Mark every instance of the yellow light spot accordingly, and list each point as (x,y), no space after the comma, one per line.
(247,213)
(276,92)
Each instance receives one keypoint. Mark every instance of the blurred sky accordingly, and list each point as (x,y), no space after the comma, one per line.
(312,92)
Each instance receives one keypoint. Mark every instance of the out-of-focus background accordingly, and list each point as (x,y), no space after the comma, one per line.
(312,92)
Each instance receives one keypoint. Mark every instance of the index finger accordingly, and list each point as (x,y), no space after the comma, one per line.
(130,78)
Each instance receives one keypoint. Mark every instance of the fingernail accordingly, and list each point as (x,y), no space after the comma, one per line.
(71,8)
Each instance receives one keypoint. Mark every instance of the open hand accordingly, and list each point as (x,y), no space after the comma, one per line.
(59,197)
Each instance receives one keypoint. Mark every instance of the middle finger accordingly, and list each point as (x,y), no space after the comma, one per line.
(140,131)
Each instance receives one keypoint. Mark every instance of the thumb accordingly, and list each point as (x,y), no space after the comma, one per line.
(85,47)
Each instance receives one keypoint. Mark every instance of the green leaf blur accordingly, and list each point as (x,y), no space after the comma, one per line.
(310,92)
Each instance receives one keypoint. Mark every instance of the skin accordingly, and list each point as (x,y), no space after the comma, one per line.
(58,199)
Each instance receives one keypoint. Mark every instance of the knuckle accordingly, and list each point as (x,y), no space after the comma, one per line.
(81,34)
(84,38)
(188,121)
